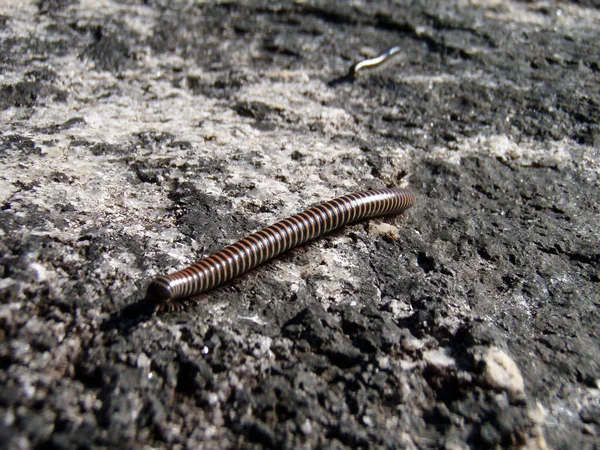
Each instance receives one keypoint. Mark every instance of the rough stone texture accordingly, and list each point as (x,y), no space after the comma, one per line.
(139,135)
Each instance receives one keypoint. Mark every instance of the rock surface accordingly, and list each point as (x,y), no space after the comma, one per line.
(138,136)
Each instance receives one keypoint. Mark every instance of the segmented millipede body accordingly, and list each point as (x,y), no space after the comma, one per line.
(269,242)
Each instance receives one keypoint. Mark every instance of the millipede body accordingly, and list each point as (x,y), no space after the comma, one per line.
(269,242)
(373,62)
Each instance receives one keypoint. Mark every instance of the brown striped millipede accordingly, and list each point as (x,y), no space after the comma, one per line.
(373,62)
(269,242)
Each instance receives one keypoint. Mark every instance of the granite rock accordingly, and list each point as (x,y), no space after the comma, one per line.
(138,136)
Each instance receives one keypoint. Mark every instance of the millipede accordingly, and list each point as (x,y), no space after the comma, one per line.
(265,244)
(373,62)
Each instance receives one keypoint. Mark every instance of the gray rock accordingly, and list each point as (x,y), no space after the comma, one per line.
(138,137)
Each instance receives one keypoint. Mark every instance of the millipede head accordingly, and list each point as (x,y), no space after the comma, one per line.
(158,293)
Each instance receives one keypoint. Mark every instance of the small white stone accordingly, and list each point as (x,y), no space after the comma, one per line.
(6,282)
(383,362)
(502,373)
(407,365)
(212,399)
(28,388)
(143,362)
(384,229)
(306,427)
(439,358)
(412,344)
(175,332)
(40,271)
